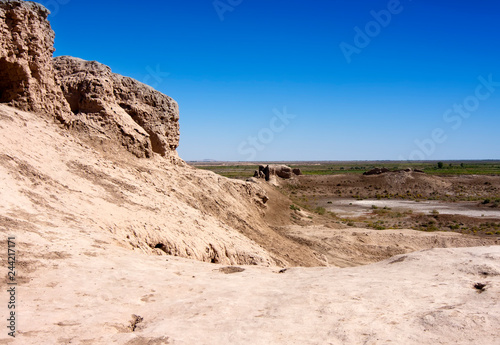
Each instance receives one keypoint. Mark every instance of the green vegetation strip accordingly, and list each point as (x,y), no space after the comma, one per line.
(445,168)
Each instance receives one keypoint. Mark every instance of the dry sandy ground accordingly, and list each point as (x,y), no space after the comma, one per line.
(409,185)
(85,223)
(79,288)
(352,246)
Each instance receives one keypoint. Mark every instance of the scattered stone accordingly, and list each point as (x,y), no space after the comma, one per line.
(136,319)
(264,198)
(480,287)
(231,270)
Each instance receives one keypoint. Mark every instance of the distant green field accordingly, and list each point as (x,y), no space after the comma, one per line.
(243,171)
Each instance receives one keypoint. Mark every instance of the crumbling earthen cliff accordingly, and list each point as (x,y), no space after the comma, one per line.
(143,119)
(26,48)
(83,95)
(148,205)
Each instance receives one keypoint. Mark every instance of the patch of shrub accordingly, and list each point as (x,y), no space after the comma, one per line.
(320,210)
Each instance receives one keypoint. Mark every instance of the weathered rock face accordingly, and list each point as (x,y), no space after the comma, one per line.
(83,95)
(26,47)
(282,171)
(145,119)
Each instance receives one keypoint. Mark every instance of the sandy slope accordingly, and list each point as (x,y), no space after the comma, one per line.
(85,222)
(82,289)
(48,175)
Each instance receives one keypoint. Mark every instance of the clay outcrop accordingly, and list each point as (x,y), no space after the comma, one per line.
(279,170)
(144,119)
(26,48)
(83,95)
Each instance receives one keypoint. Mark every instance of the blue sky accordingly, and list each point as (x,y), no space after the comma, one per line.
(301,80)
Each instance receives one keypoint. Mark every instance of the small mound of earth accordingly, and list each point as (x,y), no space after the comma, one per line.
(231,269)
(378,171)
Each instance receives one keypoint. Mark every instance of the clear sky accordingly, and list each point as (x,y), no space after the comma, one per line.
(306,80)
